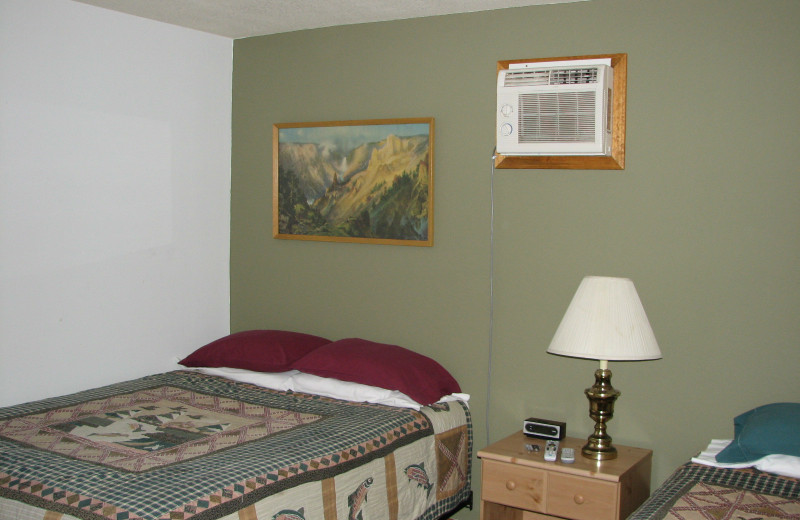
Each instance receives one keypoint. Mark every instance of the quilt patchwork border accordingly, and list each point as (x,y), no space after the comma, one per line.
(685,477)
(700,501)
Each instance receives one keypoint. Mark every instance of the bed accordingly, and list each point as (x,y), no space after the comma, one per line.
(296,429)
(755,475)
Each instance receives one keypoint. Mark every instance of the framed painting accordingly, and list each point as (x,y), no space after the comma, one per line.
(368,181)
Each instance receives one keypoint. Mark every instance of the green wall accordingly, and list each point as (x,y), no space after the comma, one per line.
(704,218)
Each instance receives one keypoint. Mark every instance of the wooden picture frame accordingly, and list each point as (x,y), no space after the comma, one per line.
(363,181)
(616,161)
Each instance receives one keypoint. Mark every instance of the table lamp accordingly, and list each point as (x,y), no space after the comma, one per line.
(604,321)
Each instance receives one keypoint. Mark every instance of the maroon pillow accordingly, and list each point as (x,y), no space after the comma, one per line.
(257,350)
(377,364)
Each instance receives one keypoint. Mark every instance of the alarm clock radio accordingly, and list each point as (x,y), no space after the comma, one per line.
(544,429)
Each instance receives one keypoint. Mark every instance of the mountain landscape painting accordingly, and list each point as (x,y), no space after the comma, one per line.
(354,181)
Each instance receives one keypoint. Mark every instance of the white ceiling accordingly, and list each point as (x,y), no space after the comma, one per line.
(243,18)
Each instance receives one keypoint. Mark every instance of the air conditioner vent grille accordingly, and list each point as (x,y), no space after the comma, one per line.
(544,77)
(557,117)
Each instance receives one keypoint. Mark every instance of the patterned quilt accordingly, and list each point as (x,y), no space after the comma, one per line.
(699,492)
(184,445)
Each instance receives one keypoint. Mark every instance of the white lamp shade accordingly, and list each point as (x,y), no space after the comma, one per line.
(605,321)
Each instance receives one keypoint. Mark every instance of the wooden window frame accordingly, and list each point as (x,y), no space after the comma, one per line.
(616,161)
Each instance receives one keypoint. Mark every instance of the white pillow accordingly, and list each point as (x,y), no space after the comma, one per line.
(273,380)
(307,383)
(348,391)
(786,465)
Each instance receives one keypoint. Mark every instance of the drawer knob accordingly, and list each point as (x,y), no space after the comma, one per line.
(510,485)
(578,499)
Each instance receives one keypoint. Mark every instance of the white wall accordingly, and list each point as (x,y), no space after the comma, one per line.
(115,151)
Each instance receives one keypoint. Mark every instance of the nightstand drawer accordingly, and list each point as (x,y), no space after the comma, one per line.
(581,498)
(513,485)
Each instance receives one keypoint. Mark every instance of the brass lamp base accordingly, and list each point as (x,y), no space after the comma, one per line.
(601,409)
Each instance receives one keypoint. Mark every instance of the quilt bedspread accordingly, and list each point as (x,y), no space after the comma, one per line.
(184,445)
(699,492)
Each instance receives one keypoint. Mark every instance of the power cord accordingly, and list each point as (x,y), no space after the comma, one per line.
(491,294)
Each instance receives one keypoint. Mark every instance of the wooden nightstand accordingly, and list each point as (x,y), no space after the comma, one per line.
(518,484)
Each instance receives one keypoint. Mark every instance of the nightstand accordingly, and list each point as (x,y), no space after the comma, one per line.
(518,484)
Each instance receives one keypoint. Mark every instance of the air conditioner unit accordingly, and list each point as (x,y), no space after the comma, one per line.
(555,108)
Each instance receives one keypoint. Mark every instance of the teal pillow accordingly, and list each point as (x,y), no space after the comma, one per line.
(766,430)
